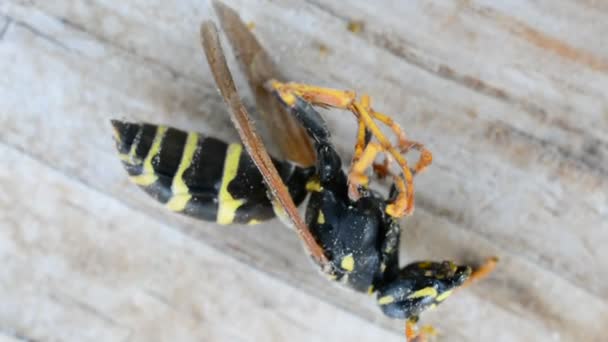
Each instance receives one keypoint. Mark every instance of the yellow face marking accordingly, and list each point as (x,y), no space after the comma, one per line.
(180,190)
(144,179)
(382,267)
(228,204)
(348,263)
(314,185)
(443,296)
(425,292)
(321,218)
(254,221)
(386,300)
(147,176)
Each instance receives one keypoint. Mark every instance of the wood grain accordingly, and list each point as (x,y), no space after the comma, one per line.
(511,98)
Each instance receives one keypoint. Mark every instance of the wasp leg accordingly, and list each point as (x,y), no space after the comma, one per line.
(357,176)
(363,138)
(387,120)
(403,203)
(406,204)
(318,96)
(411,331)
(329,164)
(381,170)
(413,334)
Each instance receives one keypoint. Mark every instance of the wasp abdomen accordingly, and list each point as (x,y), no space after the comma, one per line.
(200,176)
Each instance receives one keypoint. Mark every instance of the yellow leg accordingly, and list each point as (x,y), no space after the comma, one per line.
(360,145)
(385,119)
(412,334)
(400,208)
(404,203)
(357,176)
(404,144)
(411,331)
(315,95)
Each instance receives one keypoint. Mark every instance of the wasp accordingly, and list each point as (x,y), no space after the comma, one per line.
(350,230)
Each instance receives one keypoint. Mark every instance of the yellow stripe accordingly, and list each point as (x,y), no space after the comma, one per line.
(147,176)
(180,190)
(443,296)
(386,300)
(145,179)
(132,152)
(228,204)
(425,292)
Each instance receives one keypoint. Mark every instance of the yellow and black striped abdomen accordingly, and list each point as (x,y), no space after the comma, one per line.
(200,176)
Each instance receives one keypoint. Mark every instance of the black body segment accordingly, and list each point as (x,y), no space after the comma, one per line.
(199,176)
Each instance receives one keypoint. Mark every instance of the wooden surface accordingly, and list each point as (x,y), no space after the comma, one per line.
(512,98)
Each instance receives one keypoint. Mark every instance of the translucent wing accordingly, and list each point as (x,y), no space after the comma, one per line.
(257,65)
(253,144)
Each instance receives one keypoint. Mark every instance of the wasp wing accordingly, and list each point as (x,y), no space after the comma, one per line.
(253,144)
(258,67)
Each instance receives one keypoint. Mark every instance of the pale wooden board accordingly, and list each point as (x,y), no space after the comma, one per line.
(511,99)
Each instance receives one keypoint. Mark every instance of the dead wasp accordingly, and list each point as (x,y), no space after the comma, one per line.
(351,231)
